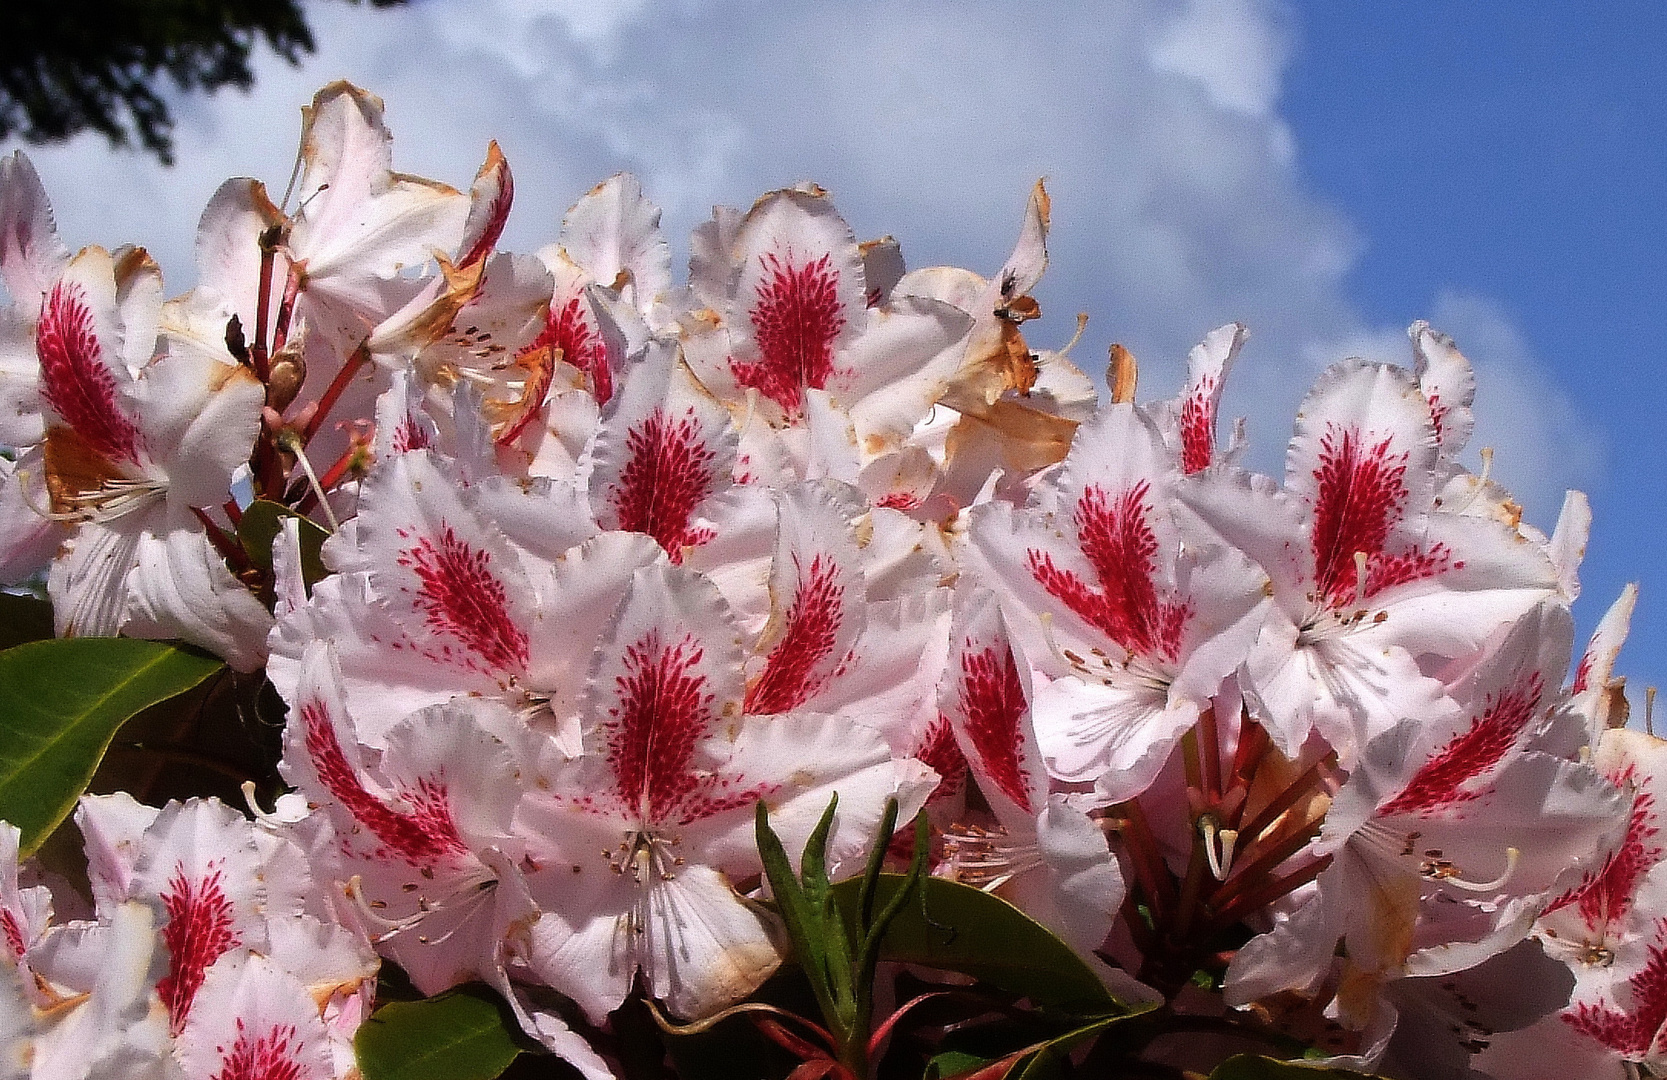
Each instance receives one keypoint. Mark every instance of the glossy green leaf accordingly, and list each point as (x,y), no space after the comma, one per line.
(964,929)
(952,1063)
(259,528)
(23,618)
(1257,1067)
(1049,1061)
(61,703)
(463,1034)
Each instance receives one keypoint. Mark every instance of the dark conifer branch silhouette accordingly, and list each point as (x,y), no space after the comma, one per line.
(67,66)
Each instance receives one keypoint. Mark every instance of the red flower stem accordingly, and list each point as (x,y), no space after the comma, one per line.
(1144,847)
(268,468)
(1302,785)
(333,393)
(1262,858)
(263,300)
(229,549)
(774,1031)
(332,476)
(1253,746)
(233,512)
(1191,888)
(286,309)
(1268,893)
(1209,755)
(880,1033)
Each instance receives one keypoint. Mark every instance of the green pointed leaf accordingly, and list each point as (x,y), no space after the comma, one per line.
(1049,1061)
(804,923)
(463,1034)
(986,937)
(23,618)
(1257,1067)
(259,527)
(61,703)
(952,1063)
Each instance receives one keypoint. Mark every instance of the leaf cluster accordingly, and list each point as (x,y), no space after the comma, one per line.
(67,66)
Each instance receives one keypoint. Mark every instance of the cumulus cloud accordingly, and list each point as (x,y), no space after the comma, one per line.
(1179,202)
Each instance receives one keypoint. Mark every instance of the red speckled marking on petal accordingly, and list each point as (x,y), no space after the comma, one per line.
(790,676)
(939,751)
(1385,571)
(795,316)
(423,837)
(462,598)
(198,932)
(1198,427)
(898,500)
(668,471)
(1438,413)
(266,1057)
(1439,783)
(1634,1032)
(1117,539)
(570,328)
(497,215)
(411,435)
(14,934)
(74,379)
(1583,673)
(664,709)
(1361,493)
(992,700)
(1606,894)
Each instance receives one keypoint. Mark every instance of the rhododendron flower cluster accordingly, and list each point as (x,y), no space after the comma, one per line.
(616,623)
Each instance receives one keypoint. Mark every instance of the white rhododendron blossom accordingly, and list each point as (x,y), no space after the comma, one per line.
(587,627)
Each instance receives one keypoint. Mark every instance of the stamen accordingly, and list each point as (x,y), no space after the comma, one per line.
(984,859)
(270,820)
(1082,324)
(467,893)
(356,893)
(1046,620)
(1359,579)
(1481,484)
(1447,873)
(1221,863)
(22,476)
(648,856)
(1649,710)
(291,442)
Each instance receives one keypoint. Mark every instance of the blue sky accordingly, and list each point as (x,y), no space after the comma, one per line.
(1518,152)
(1324,172)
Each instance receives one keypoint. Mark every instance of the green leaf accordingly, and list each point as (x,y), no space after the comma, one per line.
(463,1034)
(804,922)
(23,618)
(953,1063)
(258,529)
(981,935)
(61,703)
(1256,1067)
(1049,1061)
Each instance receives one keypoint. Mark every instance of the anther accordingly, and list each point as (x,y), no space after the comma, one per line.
(290,441)
(1481,481)
(1448,873)
(1221,861)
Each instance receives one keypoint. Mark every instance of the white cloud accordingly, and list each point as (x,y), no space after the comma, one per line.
(1178,203)
(1236,51)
